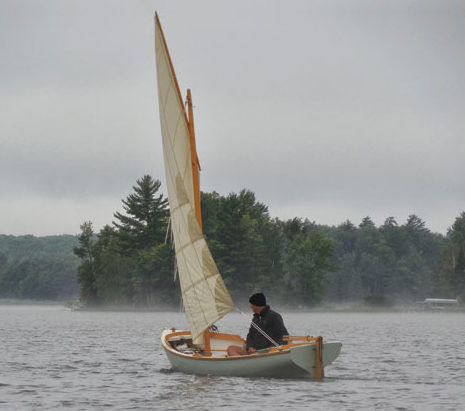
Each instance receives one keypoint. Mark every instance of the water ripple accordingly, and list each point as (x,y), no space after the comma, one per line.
(114,360)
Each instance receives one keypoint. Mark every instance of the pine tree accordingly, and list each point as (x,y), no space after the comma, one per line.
(146,216)
(86,271)
(307,261)
(453,266)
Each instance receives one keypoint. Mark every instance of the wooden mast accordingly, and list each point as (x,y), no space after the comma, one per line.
(196,180)
(194,160)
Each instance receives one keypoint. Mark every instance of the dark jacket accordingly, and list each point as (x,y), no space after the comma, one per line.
(272,323)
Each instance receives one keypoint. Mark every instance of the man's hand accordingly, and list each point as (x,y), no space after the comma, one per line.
(251,350)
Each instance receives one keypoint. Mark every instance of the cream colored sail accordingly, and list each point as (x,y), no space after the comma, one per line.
(205,296)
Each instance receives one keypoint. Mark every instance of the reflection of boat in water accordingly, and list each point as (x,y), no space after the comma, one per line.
(205,296)
(440,304)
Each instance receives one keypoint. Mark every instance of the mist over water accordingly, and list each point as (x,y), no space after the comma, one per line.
(51,357)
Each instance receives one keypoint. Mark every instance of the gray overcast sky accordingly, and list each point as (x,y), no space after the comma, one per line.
(328,110)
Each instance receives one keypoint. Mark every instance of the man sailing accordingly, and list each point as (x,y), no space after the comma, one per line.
(268,321)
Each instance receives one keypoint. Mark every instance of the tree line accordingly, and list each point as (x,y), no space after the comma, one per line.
(298,262)
(38,268)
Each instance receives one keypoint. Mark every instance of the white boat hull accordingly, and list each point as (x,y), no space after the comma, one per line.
(292,362)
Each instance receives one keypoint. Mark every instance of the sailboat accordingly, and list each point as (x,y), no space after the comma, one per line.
(205,297)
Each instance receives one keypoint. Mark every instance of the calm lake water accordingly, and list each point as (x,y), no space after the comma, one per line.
(51,357)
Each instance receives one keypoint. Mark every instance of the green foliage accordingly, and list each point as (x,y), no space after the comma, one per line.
(307,261)
(112,269)
(153,277)
(86,271)
(389,263)
(146,216)
(129,264)
(252,250)
(294,261)
(243,240)
(451,279)
(38,268)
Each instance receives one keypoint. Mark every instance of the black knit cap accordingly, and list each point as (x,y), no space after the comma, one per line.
(258,299)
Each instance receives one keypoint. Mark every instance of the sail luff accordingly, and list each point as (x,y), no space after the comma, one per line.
(165,46)
(204,293)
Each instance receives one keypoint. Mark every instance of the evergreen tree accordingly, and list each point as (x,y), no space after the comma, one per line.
(146,215)
(452,276)
(244,241)
(292,260)
(367,222)
(86,271)
(113,268)
(307,261)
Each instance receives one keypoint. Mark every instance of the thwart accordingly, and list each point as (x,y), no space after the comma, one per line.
(205,296)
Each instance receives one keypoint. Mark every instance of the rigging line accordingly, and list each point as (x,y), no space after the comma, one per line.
(168,232)
(167,229)
(172,237)
(260,330)
(175,269)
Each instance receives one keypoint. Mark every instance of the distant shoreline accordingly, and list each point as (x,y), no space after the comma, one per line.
(16,301)
(75,306)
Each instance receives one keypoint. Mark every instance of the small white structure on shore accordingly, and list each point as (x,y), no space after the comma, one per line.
(440,303)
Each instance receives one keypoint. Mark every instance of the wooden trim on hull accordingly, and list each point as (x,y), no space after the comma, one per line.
(259,366)
(293,361)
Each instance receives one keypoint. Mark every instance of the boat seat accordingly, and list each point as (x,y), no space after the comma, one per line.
(181,342)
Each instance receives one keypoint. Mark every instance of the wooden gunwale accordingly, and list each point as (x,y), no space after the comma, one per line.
(243,357)
(300,338)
